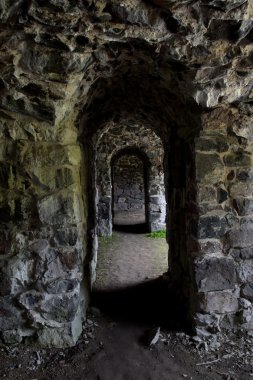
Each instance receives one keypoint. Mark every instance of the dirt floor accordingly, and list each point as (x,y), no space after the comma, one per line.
(128,259)
(124,319)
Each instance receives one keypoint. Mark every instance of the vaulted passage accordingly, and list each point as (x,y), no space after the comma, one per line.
(86,84)
(129,190)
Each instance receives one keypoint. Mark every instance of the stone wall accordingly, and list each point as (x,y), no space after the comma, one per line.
(69,72)
(223,264)
(42,234)
(128,184)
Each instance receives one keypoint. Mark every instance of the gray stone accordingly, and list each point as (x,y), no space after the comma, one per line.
(215,273)
(245,175)
(61,285)
(212,226)
(245,271)
(65,336)
(212,144)
(209,168)
(66,236)
(243,206)
(12,336)
(237,159)
(60,209)
(240,238)
(10,315)
(247,291)
(207,194)
(60,308)
(220,302)
(80,82)
(207,246)
(241,189)
(244,253)
(207,323)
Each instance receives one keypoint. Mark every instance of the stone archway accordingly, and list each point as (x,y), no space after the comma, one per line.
(113,139)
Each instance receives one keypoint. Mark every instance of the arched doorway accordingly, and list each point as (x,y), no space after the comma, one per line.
(130,198)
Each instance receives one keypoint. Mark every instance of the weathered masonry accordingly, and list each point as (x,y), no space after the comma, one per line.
(82,81)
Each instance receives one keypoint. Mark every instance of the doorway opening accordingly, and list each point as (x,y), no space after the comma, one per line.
(130,206)
(129,170)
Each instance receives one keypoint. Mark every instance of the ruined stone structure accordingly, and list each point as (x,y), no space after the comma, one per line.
(115,140)
(70,71)
(128,184)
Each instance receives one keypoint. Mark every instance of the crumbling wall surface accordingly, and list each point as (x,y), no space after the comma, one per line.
(181,68)
(223,263)
(116,138)
(42,197)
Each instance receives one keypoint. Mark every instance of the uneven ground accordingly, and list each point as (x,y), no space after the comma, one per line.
(114,345)
(129,259)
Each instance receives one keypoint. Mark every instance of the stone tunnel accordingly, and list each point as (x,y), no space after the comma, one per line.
(85,82)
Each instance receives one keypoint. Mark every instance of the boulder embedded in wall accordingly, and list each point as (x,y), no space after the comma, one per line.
(215,224)
(209,168)
(50,310)
(64,336)
(220,302)
(244,253)
(60,208)
(245,271)
(240,238)
(238,160)
(243,206)
(247,291)
(215,273)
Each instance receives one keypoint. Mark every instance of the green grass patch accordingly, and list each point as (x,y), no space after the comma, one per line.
(157,234)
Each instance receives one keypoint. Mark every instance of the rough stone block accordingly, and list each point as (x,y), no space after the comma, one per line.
(239,189)
(12,336)
(220,302)
(207,246)
(240,238)
(60,308)
(10,315)
(64,177)
(212,143)
(61,336)
(206,194)
(60,209)
(209,168)
(51,309)
(212,226)
(244,253)
(244,206)
(247,291)
(230,321)
(245,271)
(237,159)
(206,323)
(40,109)
(66,236)
(215,273)
(245,175)
(61,285)
(49,155)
